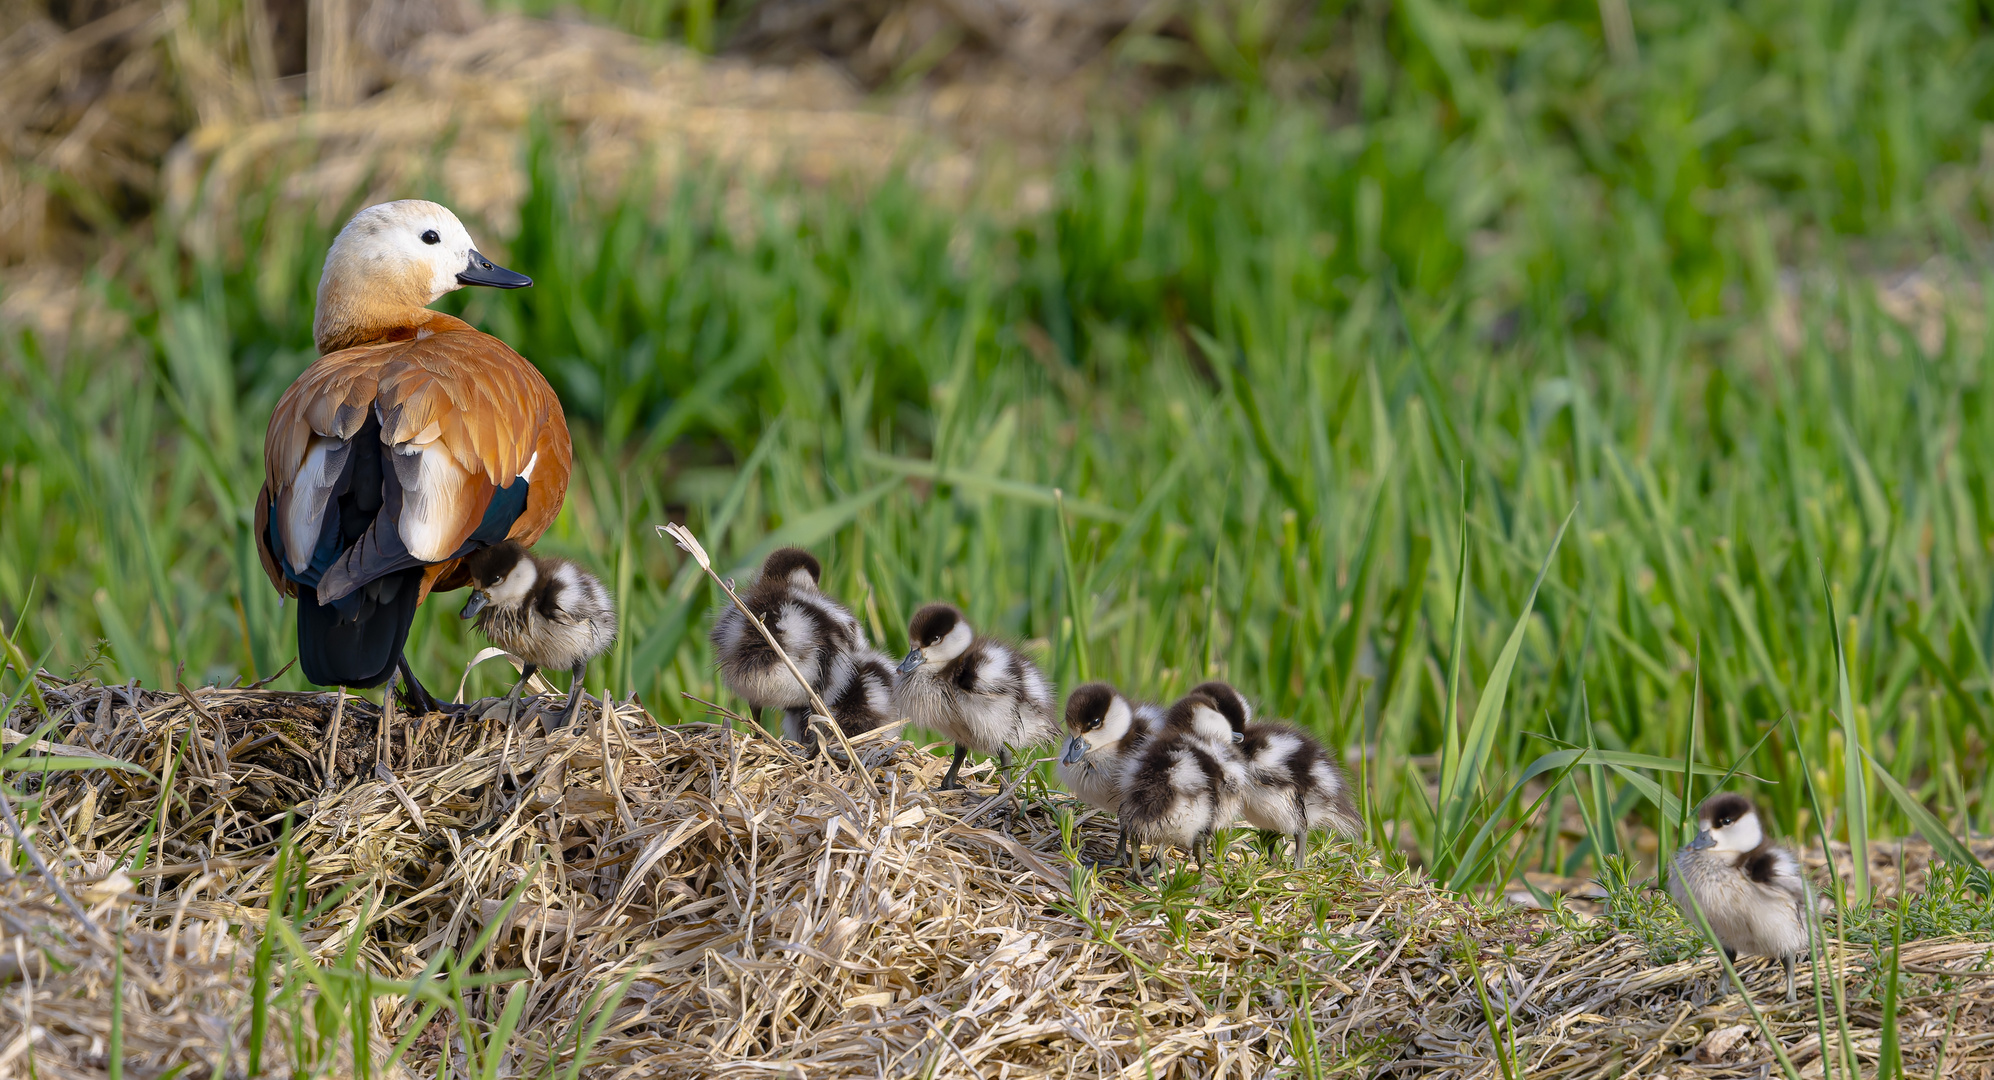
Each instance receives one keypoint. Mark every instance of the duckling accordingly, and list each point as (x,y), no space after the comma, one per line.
(547,611)
(813,628)
(1186,784)
(858,689)
(1106,732)
(1293,785)
(1750,890)
(980,693)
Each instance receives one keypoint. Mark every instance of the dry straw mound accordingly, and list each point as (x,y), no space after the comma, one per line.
(767,915)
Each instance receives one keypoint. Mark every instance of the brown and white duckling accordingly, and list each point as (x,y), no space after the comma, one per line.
(857,688)
(1185,784)
(978,692)
(1105,731)
(547,611)
(814,631)
(1292,784)
(1750,890)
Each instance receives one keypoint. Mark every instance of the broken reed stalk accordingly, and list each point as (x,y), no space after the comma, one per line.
(690,544)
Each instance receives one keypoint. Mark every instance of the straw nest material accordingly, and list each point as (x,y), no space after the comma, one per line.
(767,915)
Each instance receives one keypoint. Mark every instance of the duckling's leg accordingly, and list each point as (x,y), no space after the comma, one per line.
(1787,963)
(1301,849)
(574,697)
(1004,760)
(526,673)
(949,782)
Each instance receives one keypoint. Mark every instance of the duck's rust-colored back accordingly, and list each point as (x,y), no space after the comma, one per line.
(441,385)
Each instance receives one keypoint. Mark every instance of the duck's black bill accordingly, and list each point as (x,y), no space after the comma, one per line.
(913,661)
(474,605)
(483,271)
(1075,750)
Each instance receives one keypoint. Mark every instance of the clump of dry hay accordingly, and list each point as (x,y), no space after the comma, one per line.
(776,916)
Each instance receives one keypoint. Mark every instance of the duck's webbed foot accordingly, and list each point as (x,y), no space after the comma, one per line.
(417,699)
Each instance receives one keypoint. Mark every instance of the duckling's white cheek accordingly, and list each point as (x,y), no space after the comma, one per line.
(1116,723)
(952,644)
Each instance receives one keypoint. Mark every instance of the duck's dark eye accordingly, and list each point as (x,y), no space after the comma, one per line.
(429,237)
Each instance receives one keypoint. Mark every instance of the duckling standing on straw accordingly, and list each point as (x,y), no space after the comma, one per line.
(548,612)
(978,692)
(822,638)
(1292,784)
(1186,784)
(1749,889)
(1106,732)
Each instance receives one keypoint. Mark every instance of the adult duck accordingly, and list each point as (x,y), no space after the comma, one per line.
(413,441)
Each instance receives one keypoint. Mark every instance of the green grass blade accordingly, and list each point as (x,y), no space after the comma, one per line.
(1944,843)
(1481,734)
(1855,792)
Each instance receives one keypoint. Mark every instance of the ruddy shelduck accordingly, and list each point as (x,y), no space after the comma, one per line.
(413,441)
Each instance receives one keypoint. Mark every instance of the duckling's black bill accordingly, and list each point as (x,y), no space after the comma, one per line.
(1703,842)
(913,661)
(1075,750)
(475,604)
(483,271)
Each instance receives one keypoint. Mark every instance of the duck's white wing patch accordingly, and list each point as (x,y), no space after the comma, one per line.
(310,494)
(435,499)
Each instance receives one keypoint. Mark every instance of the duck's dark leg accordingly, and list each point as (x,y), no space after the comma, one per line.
(1004,759)
(574,696)
(386,719)
(420,700)
(1787,963)
(949,782)
(1301,849)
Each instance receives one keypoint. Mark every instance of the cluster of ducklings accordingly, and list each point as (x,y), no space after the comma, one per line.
(1172,776)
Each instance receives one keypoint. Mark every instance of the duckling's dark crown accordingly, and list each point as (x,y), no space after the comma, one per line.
(487,566)
(1722,810)
(1185,711)
(1088,703)
(783,562)
(1226,700)
(932,623)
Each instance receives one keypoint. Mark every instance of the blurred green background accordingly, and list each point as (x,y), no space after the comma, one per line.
(1707,277)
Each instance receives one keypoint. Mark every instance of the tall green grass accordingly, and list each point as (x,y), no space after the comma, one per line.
(1317,380)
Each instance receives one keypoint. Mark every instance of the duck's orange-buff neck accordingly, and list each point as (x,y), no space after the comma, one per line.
(390,304)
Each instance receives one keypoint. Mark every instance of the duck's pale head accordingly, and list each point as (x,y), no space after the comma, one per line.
(391,261)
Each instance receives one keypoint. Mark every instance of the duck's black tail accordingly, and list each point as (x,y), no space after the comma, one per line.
(356,644)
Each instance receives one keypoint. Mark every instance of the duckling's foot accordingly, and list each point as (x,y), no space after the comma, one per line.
(949,782)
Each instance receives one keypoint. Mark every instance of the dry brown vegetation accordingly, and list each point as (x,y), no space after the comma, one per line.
(754,913)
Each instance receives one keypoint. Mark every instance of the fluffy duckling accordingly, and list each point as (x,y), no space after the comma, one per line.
(1292,784)
(548,612)
(980,693)
(858,689)
(1750,890)
(1187,782)
(1105,732)
(814,631)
